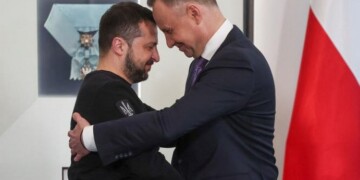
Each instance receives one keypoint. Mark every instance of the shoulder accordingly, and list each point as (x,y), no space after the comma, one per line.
(103,84)
(101,77)
(104,79)
(237,52)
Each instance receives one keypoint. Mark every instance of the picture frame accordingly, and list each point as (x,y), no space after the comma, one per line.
(55,64)
(248,19)
(64,173)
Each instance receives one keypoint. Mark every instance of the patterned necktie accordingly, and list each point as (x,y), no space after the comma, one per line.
(197,66)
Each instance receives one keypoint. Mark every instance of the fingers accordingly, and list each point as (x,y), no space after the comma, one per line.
(73,152)
(77,117)
(77,149)
(82,122)
(72,144)
(79,154)
(70,134)
(74,134)
(78,157)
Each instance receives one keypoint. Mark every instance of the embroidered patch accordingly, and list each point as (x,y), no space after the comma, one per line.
(125,107)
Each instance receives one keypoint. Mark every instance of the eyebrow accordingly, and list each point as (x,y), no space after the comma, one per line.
(166,29)
(153,43)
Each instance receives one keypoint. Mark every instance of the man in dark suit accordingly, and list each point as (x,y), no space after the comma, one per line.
(224,125)
(127,39)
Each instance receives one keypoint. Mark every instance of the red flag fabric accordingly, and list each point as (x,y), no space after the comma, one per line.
(324,136)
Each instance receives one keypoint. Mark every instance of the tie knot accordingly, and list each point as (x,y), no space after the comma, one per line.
(198,66)
(200,63)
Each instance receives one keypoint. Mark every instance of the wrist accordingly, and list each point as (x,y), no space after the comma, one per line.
(81,139)
(87,137)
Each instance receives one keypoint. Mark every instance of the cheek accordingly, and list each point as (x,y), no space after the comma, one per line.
(145,56)
(144,59)
(187,38)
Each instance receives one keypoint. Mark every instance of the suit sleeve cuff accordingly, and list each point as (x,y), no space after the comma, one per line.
(88,138)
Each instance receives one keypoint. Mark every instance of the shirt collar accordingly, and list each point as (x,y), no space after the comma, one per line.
(217,39)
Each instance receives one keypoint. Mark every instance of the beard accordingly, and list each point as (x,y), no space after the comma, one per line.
(133,71)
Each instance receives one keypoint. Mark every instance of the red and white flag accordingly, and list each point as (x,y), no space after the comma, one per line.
(324,135)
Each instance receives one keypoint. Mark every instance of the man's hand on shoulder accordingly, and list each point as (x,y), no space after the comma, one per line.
(75,142)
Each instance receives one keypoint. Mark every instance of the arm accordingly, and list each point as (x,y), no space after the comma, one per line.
(98,101)
(169,145)
(151,165)
(147,165)
(75,142)
(217,94)
(117,100)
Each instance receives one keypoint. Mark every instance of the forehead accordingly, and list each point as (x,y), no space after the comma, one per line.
(148,33)
(148,29)
(165,15)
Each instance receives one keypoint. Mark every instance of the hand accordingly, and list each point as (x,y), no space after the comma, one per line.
(75,141)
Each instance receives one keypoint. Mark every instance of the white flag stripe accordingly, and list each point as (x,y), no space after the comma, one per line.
(341,21)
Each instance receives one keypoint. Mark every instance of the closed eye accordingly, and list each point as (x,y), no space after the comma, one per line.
(167,30)
(151,46)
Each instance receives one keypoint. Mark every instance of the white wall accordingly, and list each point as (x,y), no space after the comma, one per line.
(32,130)
(34,147)
(18,57)
(33,142)
(279,34)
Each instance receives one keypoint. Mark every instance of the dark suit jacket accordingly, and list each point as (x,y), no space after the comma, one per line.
(105,96)
(225,123)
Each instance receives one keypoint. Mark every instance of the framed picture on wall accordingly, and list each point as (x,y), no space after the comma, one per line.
(64,172)
(67,43)
(248,19)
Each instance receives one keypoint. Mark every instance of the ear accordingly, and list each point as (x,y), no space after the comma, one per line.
(193,11)
(119,46)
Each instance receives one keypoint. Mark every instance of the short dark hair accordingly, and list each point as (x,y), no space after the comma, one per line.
(122,20)
(171,3)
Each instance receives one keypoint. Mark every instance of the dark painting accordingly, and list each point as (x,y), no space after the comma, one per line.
(56,58)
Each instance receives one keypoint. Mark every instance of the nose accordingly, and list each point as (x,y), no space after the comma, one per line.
(169,41)
(155,55)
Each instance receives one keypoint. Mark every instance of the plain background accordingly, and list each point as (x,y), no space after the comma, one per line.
(33,141)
